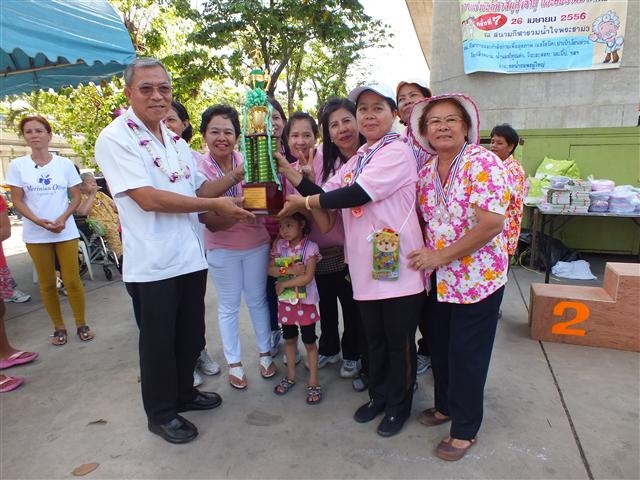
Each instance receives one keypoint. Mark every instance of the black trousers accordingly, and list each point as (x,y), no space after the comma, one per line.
(331,288)
(461,340)
(170,316)
(390,327)
(423,326)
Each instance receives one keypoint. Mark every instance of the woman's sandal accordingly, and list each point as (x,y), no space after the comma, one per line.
(284,386)
(237,378)
(85,334)
(314,394)
(428,418)
(9,383)
(267,367)
(59,338)
(446,451)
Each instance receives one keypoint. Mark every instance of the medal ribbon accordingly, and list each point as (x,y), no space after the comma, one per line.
(419,154)
(442,193)
(234,191)
(363,160)
(294,250)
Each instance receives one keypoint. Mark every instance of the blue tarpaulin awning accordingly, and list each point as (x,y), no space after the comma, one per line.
(55,43)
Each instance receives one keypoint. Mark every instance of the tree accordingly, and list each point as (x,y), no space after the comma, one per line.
(286,35)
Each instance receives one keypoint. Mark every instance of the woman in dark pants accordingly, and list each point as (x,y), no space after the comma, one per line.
(463,194)
(376,192)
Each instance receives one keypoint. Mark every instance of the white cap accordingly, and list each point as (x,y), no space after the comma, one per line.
(380,88)
(416,81)
(418,108)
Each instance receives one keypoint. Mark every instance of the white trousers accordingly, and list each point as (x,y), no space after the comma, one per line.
(234,272)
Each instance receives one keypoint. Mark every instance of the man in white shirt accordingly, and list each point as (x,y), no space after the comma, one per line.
(159,192)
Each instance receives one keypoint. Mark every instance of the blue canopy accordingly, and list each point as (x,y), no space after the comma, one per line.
(55,43)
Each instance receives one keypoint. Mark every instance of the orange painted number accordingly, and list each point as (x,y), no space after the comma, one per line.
(562,328)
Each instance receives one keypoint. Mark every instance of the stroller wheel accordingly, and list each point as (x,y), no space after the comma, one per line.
(108,273)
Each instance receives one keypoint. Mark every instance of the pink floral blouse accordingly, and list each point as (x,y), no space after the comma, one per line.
(481,180)
(514,211)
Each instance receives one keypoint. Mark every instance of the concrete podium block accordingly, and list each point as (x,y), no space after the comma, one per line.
(607,316)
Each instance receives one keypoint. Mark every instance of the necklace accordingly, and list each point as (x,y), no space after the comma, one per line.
(183,171)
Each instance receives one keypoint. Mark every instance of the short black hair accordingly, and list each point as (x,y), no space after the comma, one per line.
(304,221)
(183,115)
(507,132)
(225,111)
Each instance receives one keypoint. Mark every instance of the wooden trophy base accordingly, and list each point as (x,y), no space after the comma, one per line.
(262,198)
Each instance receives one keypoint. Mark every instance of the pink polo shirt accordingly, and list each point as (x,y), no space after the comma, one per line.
(241,236)
(390,180)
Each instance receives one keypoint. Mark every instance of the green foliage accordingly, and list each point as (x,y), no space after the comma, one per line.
(78,114)
(284,35)
(307,45)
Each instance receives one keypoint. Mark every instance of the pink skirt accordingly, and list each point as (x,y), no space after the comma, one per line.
(6,283)
(299,314)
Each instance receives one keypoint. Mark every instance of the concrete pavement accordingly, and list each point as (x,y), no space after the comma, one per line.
(551,410)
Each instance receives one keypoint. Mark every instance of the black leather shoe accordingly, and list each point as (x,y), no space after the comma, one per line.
(390,425)
(202,401)
(367,412)
(177,430)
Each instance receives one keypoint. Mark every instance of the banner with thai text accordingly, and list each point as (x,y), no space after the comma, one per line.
(524,36)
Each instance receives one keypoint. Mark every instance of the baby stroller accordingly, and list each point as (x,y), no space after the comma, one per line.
(97,250)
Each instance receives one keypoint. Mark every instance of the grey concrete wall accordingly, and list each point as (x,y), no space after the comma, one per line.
(578,99)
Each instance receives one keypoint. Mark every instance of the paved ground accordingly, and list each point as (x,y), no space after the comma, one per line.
(551,410)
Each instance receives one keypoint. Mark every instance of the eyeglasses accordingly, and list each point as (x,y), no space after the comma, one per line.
(148,90)
(436,123)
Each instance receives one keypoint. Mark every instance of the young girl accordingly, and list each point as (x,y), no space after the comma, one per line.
(293,261)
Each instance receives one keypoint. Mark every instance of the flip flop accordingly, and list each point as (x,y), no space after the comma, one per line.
(267,367)
(18,358)
(10,383)
(237,378)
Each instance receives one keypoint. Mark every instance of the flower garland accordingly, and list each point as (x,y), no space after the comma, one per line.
(183,170)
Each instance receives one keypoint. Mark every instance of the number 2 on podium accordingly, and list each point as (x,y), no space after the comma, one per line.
(562,328)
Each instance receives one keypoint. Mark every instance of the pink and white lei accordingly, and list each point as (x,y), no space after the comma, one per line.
(146,143)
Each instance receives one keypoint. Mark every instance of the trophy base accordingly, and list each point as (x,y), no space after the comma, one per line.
(262,198)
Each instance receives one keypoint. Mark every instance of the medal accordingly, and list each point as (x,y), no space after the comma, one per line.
(441,214)
(357,212)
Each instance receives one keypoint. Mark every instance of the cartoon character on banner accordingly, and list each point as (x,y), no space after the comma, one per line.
(605,30)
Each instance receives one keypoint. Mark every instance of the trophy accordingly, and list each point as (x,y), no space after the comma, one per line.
(262,189)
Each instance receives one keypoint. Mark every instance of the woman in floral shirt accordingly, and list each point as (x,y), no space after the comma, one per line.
(463,194)
(504,140)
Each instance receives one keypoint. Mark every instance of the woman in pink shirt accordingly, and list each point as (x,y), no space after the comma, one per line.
(463,194)
(237,253)
(376,191)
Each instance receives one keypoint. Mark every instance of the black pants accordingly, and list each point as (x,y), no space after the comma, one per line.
(390,327)
(331,288)
(170,315)
(461,340)
(272,300)
(423,344)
